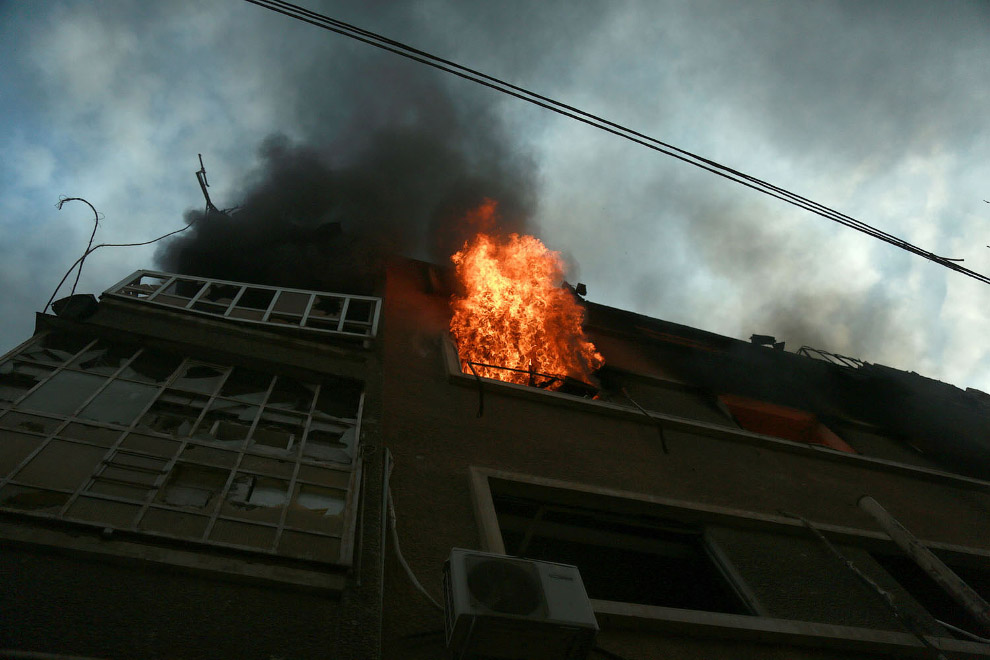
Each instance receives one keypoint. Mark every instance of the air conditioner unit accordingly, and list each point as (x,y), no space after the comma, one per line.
(506,608)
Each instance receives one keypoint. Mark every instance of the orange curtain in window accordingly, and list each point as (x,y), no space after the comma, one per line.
(782,422)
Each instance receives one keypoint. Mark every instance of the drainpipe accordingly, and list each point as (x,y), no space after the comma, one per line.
(932,565)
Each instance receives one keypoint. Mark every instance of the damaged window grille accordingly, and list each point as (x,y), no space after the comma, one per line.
(321,312)
(132,438)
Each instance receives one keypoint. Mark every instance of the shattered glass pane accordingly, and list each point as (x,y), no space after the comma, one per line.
(174,420)
(55,348)
(120,402)
(246,385)
(151,367)
(199,377)
(290,394)
(226,421)
(63,392)
(328,443)
(254,497)
(277,431)
(192,486)
(324,501)
(103,358)
(17,377)
(255,490)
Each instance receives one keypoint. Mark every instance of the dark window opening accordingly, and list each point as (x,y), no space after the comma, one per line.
(934,598)
(634,559)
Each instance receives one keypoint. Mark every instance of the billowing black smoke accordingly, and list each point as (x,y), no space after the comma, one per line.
(397,179)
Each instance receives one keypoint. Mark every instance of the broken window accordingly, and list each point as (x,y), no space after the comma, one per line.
(199,377)
(151,367)
(104,358)
(782,422)
(256,497)
(118,436)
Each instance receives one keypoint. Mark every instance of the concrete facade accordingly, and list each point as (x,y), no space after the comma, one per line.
(689,529)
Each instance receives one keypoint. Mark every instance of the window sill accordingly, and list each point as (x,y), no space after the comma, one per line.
(631,616)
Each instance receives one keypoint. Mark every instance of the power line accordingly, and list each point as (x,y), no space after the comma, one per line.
(724,171)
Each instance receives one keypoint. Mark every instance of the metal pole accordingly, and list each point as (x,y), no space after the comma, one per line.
(932,565)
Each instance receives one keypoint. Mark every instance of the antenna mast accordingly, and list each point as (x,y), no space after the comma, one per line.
(203,184)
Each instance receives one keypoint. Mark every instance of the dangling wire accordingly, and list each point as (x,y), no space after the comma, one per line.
(93,248)
(96,225)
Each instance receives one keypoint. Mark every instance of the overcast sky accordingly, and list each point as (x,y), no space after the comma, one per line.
(877,109)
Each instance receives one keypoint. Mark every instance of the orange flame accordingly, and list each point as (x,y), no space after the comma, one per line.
(514,313)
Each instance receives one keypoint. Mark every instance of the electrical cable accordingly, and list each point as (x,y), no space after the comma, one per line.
(96,225)
(398,550)
(448,66)
(90,250)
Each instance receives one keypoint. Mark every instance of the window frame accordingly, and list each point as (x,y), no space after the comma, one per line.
(113,441)
(757,627)
(131,289)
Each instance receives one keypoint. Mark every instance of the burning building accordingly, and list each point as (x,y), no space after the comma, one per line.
(203,468)
(472,459)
